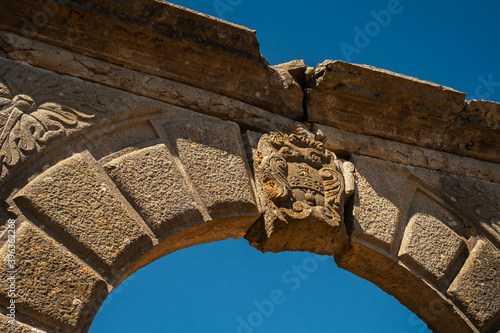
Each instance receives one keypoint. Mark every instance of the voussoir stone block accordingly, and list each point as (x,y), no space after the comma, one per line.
(476,289)
(152,182)
(51,284)
(213,156)
(428,244)
(378,197)
(74,198)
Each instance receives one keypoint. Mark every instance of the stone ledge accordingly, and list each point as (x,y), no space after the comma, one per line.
(60,60)
(344,143)
(368,100)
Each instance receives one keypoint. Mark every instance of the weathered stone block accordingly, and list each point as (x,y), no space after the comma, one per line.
(51,284)
(476,132)
(476,200)
(428,244)
(154,185)
(378,199)
(120,138)
(476,289)
(370,100)
(216,165)
(75,200)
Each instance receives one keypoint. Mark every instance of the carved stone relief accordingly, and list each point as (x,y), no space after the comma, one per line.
(301,186)
(36,109)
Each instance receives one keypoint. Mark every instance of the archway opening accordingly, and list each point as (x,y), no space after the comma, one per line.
(228,286)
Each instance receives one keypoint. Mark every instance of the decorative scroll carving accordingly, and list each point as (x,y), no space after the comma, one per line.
(301,185)
(479,202)
(27,126)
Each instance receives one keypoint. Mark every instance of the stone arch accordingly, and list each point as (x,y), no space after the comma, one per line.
(109,161)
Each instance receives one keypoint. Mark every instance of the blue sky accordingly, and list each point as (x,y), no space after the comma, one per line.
(228,286)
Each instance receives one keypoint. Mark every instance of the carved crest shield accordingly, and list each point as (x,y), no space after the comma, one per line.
(300,186)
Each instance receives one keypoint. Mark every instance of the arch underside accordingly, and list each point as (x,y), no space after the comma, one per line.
(102,174)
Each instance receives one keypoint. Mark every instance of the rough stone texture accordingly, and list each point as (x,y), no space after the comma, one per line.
(121,137)
(378,198)
(222,179)
(293,73)
(377,102)
(4,217)
(39,108)
(52,285)
(429,245)
(166,40)
(152,182)
(75,200)
(476,289)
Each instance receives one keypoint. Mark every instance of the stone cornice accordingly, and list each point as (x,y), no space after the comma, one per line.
(368,100)
(160,38)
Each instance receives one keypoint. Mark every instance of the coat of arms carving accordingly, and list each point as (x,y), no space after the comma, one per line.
(302,191)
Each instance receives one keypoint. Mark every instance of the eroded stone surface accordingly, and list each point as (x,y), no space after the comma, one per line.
(75,200)
(378,198)
(151,180)
(476,289)
(168,54)
(145,84)
(429,245)
(38,107)
(52,286)
(365,99)
(222,178)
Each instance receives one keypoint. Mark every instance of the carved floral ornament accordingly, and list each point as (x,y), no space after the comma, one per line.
(26,126)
